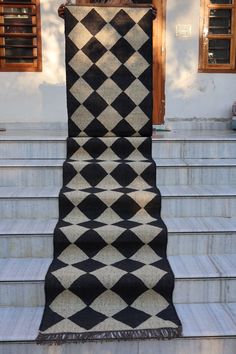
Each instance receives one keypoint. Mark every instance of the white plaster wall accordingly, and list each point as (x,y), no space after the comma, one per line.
(41,97)
(190,94)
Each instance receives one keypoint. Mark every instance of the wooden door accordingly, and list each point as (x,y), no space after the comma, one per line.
(159,62)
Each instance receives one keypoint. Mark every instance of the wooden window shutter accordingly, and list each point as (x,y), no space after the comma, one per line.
(217,52)
(20,35)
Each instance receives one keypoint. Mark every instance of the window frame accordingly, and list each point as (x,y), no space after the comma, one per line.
(204,37)
(36,65)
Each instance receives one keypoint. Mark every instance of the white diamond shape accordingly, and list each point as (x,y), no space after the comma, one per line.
(136,37)
(73,232)
(143,198)
(66,304)
(80,35)
(109,91)
(72,254)
(107,13)
(109,118)
(108,254)
(81,90)
(108,275)
(149,275)
(146,254)
(137,118)
(108,36)
(136,91)
(75,216)
(150,302)
(80,63)
(109,233)
(136,13)
(82,117)
(108,303)
(79,12)
(67,275)
(136,64)
(76,196)
(108,63)
(146,232)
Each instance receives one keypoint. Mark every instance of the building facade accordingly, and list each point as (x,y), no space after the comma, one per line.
(196,72)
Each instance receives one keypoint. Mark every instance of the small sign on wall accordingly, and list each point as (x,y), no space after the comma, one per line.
(184,31)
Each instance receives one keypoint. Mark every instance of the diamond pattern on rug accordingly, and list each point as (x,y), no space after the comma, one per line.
(110,277)
(109,58)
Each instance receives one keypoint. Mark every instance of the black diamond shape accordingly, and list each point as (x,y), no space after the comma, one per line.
(124,174)
(122,50)
(60,242)
(153,208)
(146,105)
(123,128)
(94,49)
(165,286)
(123,77)
(50,318)
(93,173)
(146,78)
(125,207)
(122,148)
(94,77)
(71,50)
(92,224)
(169,314)
(93,22)
(145,148)
(92,206)
(73,103)
(95,128)
(70,21)
(146,23)
(131,317)
(128,243)
(129,287)
(158,244)
(123,104)
(53,286)
(128,265)
(90,243)
(126,224)
(122,22)
(87,318)
(95,104)
(149,175)
(87,287)
(69,172)
(146,50)
(95,147)
(89,265)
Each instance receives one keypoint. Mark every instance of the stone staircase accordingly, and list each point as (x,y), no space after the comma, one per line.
(196,174)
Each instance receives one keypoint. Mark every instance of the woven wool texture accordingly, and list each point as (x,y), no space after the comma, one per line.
(110,277)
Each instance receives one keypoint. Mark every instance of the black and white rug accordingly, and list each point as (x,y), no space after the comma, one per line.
(110,277)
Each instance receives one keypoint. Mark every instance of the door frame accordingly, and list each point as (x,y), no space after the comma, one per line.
(159,62)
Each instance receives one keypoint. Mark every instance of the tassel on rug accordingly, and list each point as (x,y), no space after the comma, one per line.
(110,278)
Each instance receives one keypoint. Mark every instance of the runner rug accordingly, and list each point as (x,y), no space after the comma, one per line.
(110,277)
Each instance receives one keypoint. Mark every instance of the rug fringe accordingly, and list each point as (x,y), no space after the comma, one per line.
(142,334)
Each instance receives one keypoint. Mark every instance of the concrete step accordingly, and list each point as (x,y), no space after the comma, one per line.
(186,236)
(169,172)
(31,172)
(177,201)
(207,329)
(199,279)
(176,144)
